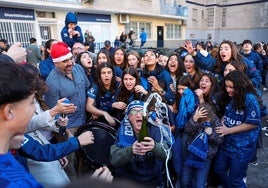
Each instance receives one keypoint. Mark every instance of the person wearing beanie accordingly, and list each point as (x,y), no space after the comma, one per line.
(201,145)
(71,32)
(67,80)
(138,161)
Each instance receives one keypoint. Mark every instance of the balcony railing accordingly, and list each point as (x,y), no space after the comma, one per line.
(174,10)
(74,2)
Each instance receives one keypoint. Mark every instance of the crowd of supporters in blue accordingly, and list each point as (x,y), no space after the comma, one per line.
(213,99)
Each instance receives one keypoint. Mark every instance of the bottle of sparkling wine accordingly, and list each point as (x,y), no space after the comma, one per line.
(144,130)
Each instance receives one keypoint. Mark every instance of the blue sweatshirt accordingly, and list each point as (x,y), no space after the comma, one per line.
(71,18)
(255,58)
(14,175)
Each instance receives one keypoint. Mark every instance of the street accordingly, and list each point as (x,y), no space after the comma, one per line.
(257,176)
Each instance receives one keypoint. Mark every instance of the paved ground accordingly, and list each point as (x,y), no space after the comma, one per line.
(258,175)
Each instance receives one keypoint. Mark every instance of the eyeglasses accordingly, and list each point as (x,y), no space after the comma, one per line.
(135,112)
(78,48)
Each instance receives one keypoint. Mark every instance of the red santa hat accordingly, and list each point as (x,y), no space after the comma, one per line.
(60,52)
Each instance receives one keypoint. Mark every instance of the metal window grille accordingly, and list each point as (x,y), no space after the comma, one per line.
(17,31)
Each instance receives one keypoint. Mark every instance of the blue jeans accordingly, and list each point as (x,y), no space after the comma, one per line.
(230,172)
(142,43)
(194,177)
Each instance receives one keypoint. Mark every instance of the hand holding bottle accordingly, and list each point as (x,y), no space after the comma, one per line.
(141,148)
(62,129)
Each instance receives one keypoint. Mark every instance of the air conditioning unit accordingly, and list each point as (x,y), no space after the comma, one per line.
(123,18)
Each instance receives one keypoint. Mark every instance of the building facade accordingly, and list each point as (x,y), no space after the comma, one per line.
(234,20)
(167,22)
(163,20)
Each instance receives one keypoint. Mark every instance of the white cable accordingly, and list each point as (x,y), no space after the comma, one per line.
(165,131)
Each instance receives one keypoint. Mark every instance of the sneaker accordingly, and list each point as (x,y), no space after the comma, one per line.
(264,88)
(266,134)
(264,128)
(255,163)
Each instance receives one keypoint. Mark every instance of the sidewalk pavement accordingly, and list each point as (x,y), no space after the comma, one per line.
(257,176)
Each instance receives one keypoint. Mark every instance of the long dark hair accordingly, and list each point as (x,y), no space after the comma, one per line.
(181,69)
(124,64)
(124,93)
(235,56)
(106,53)
(47,47)
(242,86)
(214,86)
(41,87)
(184,80)
(102,90)
(78,61)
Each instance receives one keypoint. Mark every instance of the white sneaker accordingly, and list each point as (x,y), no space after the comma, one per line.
(264,128)
(264,89)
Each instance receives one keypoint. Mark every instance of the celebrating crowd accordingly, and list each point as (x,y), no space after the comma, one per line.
(211,96)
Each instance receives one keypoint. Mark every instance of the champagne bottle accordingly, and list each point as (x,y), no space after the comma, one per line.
(144,130)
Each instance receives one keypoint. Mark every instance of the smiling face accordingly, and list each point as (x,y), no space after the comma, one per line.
(106,76)
(189,64)
(205,84)
(135,118)
(225,52)
(22,112)
(173,64)
(129,82)
(65,66)
(86,61)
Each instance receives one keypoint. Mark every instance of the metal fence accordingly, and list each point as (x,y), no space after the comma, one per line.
(74,2)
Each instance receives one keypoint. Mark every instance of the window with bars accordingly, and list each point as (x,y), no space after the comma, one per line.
(195,11)
(173,31)
(136,26)
(210,17)
(17,32)
(223,22)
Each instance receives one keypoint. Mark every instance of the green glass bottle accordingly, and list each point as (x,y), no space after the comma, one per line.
(144,130)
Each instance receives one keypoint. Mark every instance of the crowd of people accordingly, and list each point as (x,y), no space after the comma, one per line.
(202,106)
